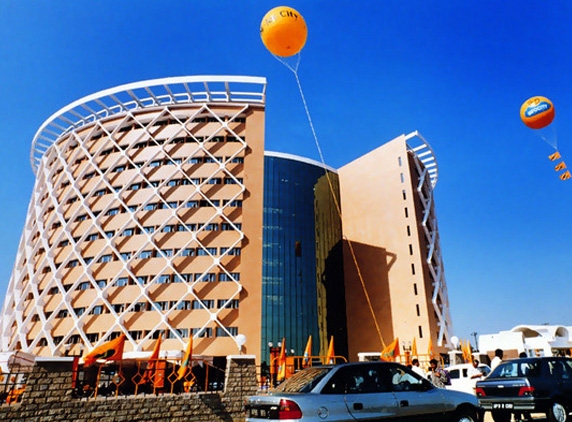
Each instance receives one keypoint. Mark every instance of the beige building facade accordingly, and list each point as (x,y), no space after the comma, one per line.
(149,218)
(145,218)
(394,277)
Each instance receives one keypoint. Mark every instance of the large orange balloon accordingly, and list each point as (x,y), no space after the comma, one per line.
(537,112)
(283,31)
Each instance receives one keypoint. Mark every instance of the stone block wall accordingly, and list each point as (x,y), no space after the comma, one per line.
(48,397)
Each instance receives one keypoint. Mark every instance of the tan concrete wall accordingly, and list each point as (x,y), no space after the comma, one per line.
(380,222)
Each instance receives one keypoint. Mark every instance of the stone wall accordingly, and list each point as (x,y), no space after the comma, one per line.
(48,397)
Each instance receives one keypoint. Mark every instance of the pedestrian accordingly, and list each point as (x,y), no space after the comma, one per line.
(497,359)
(416,368)
(474,371)
(437,375)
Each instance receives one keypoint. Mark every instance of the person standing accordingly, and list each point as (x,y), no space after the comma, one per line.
(416,368)
(474,371)
(497,359)
(437,375)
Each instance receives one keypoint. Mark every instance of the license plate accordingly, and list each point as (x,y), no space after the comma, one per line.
(257,413)
(503,406)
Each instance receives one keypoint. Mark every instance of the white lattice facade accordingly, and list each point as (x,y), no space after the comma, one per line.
(426,169)
(146,217)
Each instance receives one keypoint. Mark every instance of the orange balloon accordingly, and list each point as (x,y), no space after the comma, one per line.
(537,112)
(283,31)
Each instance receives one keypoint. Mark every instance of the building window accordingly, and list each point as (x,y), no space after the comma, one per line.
(408,231)
(136,335)
(92,337)
(163,279)
(96,310)
(229,277)
(415,288)
(410,249)
(406,213)
(145,254)
(420,332)
(188,252)
(105,258)
(413,269)
(418,310)
(205,332)
(84,285)
(167,252)
(208,277)
(139,307)
(227,304)
(184,305)
(121,281)
(229,331)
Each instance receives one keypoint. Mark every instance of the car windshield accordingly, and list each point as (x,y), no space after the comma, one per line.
(303,381)
(517,368)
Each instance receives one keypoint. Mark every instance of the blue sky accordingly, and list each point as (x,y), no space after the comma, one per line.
(456,71)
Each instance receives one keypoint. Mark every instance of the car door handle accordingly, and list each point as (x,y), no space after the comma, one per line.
(404,403)
(358,406)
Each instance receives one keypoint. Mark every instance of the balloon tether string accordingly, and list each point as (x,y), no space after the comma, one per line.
(294,69)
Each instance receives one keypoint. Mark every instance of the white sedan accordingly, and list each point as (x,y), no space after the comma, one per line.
(363,391)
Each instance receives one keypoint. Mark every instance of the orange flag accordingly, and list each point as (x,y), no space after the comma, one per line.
(330,356)
(186,364)
(282,362)
(430,350)
(110,350)
(150,373)
(307,353)
(414,347)
(467,352)
(391,351)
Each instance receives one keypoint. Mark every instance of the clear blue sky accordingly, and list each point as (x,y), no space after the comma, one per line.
(456,71)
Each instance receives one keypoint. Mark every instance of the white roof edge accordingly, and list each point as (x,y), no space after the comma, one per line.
(43,138)
(432,167)
(299,158)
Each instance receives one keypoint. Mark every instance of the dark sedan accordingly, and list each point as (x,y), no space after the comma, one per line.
(528,385)
(364,391)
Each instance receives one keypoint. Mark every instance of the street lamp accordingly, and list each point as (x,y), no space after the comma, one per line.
(274,353)
(474,334)
(407,349)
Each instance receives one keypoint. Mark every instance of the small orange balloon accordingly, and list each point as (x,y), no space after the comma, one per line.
(537,112)
(283,31)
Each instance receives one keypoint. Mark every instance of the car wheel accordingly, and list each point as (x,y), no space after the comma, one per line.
(466,415)
(501,416)
(557,413)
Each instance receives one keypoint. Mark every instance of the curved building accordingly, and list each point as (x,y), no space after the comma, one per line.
(156,211)
(144,218)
